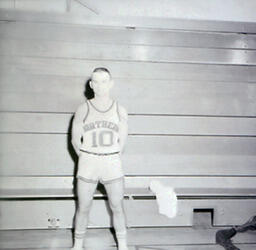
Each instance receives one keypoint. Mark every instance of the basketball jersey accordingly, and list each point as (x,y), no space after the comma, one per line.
(101,130)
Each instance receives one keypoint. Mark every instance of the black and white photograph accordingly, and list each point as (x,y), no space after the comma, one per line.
(127,125)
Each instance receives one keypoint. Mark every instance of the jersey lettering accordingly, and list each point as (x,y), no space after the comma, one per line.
(100,124)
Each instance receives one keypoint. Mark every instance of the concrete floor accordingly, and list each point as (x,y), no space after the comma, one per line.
(138,239)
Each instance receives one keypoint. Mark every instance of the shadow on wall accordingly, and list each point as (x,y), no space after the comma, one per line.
(89,94)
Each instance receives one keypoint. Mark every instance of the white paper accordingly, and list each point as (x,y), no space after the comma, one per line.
(166,199)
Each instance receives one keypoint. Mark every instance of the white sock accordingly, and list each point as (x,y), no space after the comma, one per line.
(78,240)
(122,241)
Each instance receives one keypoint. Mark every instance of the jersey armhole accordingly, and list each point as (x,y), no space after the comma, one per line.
(117,110)
(88,109)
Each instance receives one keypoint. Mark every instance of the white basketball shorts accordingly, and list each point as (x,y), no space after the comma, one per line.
(104,168)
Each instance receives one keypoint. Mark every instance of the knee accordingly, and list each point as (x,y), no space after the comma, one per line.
(83,210)
(117,207)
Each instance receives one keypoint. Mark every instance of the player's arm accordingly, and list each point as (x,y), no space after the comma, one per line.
(123,127)
(77,127)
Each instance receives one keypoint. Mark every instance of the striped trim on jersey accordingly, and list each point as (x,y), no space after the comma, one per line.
(99,154)
(117,110)
(101,110)
(88,109)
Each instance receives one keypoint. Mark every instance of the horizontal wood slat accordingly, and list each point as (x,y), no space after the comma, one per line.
(137,213)
(96,35)
(142,70)
(114,52)
(193,182)
(199,185)
(51,154)
(48,193)
(138,124)
(117,21)
(42,93)
(160,238)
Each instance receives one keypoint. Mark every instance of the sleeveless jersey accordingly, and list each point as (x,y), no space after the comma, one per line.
(101,130)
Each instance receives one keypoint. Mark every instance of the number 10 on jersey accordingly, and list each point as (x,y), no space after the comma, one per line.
(102,138)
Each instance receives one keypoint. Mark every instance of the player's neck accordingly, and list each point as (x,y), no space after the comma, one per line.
(102,100)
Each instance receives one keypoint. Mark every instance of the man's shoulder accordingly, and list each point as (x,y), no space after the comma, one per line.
(122,111)
(82,107)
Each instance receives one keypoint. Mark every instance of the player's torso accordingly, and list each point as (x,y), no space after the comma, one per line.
(101,130)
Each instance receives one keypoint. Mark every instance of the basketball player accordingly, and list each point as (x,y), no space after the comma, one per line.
(99,132)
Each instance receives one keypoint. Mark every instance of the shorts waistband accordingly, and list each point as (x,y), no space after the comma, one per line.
(99,154)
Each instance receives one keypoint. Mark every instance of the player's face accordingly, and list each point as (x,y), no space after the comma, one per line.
(101,83)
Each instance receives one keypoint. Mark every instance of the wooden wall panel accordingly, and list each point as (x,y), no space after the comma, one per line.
(13,122)
(137,186)
(21,92)
(17,214)
(196,182)
(110,35)
(130,22)
(143,238)
(139,53)
(142,70)
(46,154)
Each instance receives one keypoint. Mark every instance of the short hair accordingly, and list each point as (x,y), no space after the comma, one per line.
(102,69)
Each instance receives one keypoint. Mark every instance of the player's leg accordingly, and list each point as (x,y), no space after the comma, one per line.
(115,191)
(85,191)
